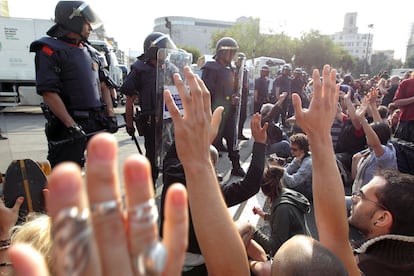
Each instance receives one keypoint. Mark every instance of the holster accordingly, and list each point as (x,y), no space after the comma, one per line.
(141,122)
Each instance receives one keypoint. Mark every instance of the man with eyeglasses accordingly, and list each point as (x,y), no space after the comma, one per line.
(382,210)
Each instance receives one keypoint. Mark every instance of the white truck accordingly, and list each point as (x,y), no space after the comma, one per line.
(17,68)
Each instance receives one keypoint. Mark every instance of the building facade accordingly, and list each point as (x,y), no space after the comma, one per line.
(190,31)
(357,44)
(410,44)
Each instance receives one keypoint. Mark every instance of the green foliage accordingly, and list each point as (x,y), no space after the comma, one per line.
(194,51)
(312,50)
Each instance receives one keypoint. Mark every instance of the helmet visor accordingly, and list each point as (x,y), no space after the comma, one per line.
(163,41)
(88,14)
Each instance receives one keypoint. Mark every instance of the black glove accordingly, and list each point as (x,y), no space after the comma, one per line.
(76,132)
(130,130)
(112,124)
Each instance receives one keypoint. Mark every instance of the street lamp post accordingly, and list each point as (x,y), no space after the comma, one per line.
(370,26)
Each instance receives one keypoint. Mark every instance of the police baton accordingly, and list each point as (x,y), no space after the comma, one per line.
(136,143)
(133,137)
(71,140)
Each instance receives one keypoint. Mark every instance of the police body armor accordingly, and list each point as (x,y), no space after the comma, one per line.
(224,84)
(145,78)
(80,89)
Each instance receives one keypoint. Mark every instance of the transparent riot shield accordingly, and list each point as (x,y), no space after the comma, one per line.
(169,61)
(237,92)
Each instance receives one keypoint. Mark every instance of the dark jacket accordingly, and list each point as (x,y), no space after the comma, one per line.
(387,255)
(286,219)
(234,193)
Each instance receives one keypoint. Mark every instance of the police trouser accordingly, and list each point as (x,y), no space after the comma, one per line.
(227,131)
(405,131)
(243,116)
(148,131)
(73,149)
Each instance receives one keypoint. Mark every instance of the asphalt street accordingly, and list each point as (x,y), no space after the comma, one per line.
(24,128)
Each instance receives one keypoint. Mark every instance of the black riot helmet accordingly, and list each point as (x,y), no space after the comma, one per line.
(70,17)
(153,42)
(286,70)
(225,44)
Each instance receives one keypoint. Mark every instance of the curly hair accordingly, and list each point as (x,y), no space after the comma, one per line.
(301,140)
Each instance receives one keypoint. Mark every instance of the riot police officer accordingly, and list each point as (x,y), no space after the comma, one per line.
(141,84)
(219,75)
(283,83)
(76,96)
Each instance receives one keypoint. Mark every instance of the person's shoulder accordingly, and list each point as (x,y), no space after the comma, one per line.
(139,65)
(212,65)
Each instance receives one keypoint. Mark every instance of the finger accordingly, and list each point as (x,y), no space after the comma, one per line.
(105,203)
(182,90)
(139,190)
(27,261)
(317,85)
(17,204)
(297,106)
(171,106)
(206,96)
(197,108)
(215,122)
(45,193)
(74,248)
(175,228)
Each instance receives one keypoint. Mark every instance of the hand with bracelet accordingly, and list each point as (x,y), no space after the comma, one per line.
(8,218)
(96,232)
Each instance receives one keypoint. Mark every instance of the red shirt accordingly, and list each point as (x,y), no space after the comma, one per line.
(406,90)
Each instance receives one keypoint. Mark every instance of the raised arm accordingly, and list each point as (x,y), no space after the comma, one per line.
(219,240)
(328,191)
(372,138)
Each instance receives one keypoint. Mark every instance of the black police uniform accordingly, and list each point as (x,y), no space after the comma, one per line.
(284,82)
(72,72)
(219,80)
(141,81)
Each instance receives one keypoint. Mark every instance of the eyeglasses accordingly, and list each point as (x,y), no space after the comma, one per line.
(360,195)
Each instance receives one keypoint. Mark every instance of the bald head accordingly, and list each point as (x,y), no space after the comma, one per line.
(302,255)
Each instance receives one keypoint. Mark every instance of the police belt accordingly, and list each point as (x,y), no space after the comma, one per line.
(86,113)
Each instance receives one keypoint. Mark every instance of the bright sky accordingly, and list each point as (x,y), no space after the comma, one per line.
(129,22)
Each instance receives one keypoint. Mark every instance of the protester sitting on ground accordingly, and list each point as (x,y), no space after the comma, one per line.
(234,192)
(277,142)
(302,255)
(382,209)
(352,138)
(298,173)
(286,215)
(380,152)
(383,112)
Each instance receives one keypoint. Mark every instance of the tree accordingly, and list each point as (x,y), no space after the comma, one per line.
(194,51)
(316,50)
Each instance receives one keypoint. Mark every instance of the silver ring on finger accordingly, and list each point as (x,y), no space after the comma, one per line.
(71,233)
(145,214)
(151,261)
(105,208)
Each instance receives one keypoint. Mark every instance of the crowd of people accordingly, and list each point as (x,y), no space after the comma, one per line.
(328,146)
